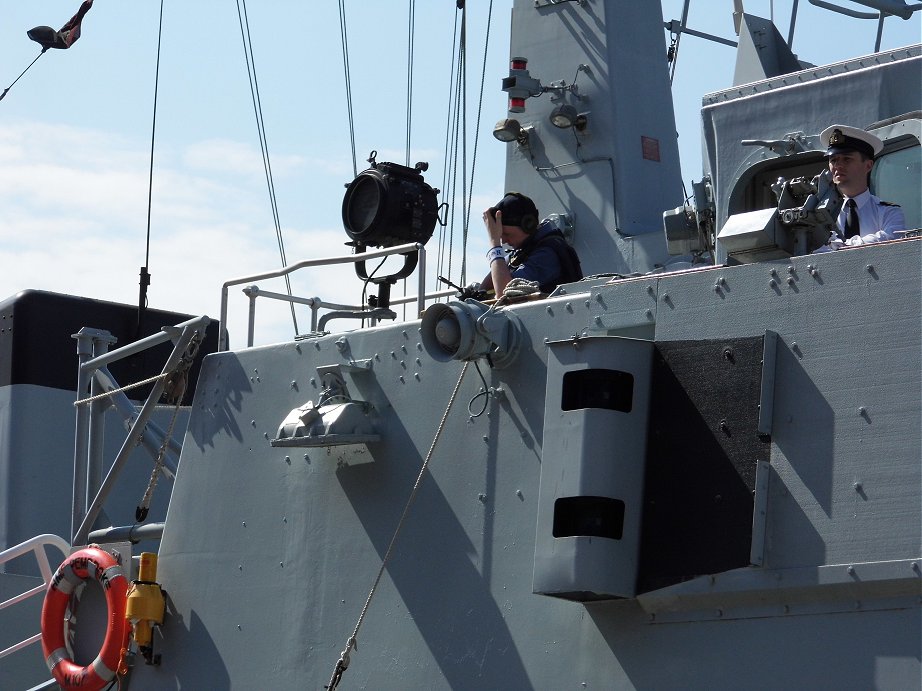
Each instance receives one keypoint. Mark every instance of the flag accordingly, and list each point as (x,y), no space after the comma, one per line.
(63,38)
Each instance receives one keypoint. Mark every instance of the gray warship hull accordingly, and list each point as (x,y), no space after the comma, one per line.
(701,471)
(270,594)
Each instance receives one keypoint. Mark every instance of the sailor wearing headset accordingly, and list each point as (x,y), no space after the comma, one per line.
(540,253)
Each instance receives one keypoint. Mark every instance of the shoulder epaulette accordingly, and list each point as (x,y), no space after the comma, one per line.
(882,203)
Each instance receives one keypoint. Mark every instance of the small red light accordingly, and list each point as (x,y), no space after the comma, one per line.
(519,63)
(516,105)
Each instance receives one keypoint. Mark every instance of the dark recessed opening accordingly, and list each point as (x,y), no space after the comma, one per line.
(589,516)
(598,388)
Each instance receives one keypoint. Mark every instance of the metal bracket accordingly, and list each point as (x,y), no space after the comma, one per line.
(767,393)
(335,419)
(760,513)
(539,4)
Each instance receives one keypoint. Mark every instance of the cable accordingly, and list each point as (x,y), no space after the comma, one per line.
(153,132)
(144,275)
(483,76)
(446,192)
(486,393)
(343,34)
(674,48)
(464,202)
(411,23)
(367,281)
(263,141)
(22,73)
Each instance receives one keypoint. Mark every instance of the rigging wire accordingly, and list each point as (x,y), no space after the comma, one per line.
(144,280)
(452,159)
(153,133)
(463,125)
(263,141)
(673,54)
(411,35)
(483,76)
(456,180)
(22,73)
(344,40)
(456,145)
(440,264)
(411,23)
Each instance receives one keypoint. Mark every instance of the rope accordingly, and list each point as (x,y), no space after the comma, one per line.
(343,663)
(263,141)
(127,387)
(517,288)
(144,506)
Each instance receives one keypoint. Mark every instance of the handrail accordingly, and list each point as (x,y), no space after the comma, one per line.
(882,6)
(315,303)
(85,450)
(127,533)
(326,261)
(36,545)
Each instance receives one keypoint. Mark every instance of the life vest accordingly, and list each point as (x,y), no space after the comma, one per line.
(570,268)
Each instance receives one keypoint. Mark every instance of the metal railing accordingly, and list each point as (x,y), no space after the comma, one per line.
(315,303)
(36,545)
(93,378)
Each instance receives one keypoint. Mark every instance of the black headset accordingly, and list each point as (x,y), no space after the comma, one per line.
(529,222)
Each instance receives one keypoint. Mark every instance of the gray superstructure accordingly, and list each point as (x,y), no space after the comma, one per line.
(702,472)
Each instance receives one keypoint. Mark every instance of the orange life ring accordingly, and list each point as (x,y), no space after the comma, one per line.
(91,562)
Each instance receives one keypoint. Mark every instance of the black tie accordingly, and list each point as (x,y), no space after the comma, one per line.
(852,227)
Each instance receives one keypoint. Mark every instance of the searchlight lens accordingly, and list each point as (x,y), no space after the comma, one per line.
(388,205)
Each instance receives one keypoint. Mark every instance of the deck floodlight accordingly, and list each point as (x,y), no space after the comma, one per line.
(509,130)
(565,116)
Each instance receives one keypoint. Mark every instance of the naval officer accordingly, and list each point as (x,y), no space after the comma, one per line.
(864,218)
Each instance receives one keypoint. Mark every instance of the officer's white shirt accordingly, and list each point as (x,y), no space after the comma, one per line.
(878,221)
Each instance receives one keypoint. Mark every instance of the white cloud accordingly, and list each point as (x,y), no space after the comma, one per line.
(73,219)
(229,157)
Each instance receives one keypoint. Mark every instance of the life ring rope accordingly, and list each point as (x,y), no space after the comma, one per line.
(90,562)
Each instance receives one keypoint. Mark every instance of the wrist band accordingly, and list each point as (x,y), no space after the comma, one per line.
(496,253)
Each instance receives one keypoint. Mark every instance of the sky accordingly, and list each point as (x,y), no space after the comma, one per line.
(76,131)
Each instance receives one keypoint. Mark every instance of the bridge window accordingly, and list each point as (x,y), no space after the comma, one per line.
(897,177)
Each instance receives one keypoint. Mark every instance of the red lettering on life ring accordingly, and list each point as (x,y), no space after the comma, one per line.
(96,563)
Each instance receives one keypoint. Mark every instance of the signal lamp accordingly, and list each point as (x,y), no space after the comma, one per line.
(389,204)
